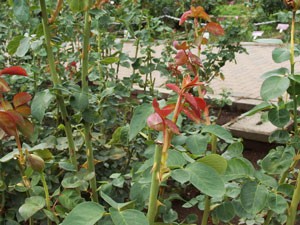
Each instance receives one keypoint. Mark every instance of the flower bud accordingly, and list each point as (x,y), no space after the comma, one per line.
(155,122)
(36,162)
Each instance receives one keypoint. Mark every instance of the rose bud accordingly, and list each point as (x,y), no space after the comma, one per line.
(155,122)
(36,162)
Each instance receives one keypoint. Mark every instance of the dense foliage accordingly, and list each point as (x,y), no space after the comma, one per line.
(82,144)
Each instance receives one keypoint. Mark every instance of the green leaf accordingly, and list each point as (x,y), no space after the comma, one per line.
(238,168)
(114,204)
(277,72)
(109,60)
(175,159)
(79,101)
(274,87)
(278,160)
(40,103)
(277,203)
(197,144)
(215,161)
(31,206)
(253,197)
(206,179)
(23,47)
(70,198)
(139,118)
(128,217)
(86,213)
(225,212)
(280,55)
(279,136)
(78,5)
(21,10)
(218,131)
(180,175)
(234,150)
(279,117)
(90,116)
(295,77)
(120,136)
(14,44)
(258,108)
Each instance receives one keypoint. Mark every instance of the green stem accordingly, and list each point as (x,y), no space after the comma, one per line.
(269,217)
(56,82)
(292,211)
(47,197)
(90,160)
(206,211)
(85,89)
(292,62)
(155,182)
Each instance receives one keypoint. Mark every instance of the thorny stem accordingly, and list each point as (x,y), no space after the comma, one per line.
(155,183)
(292,211)
(47,197)
(56,82)
(87,126)
(159,167)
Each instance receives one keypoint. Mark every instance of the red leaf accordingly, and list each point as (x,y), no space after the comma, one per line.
(173,87)
(5,105)
(162,112)
(173,127)
(215,29)
(182,46)
(4,86)
(199,12)
(181,58)
(165,111)
(14,70)
(8,124)
(21,98)
(24,110)
(191,114)
(195,59)
(184,17)
(201,103)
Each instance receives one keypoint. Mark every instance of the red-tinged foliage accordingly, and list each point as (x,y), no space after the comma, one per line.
(184,17)
(191,114)
(180,46)
(215,29)
(7,124)
(174,70)
(195,59)
(188,83)
(181,58)
(14,70)
(164,112)
(173,87)
(4,86)
(21,99)
(24,110)
(197,12)
(6,105)
(159,121)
